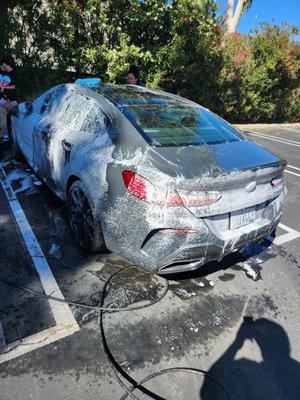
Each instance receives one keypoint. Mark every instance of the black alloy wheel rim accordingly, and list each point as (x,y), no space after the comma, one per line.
(81,217)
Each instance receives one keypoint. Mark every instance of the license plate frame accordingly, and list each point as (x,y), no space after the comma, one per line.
(242,217)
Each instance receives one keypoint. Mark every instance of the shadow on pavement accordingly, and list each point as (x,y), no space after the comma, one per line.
(276,377)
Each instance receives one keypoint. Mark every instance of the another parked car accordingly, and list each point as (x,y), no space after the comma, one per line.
(151,176)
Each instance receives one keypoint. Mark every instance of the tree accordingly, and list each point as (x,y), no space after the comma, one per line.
(260,76)
(180,46)
(5,6)
(191,63)
(233,17)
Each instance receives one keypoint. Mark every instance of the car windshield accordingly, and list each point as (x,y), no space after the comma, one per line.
(166,120)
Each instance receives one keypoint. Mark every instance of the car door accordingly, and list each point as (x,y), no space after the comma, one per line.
(24,126)
(82,125)
(46,132)
(70,120)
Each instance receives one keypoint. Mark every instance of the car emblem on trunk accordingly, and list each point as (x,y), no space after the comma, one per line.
(251,187)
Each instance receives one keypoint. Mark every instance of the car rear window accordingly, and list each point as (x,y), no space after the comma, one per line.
(165,122)
(164,119)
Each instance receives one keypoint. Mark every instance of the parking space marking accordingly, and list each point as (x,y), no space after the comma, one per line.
(32,342)
(286,237)
(291,166)
(291,172)
(272,137)
(268,137)
(61,312)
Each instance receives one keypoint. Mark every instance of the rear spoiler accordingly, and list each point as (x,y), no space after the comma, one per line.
(280,163)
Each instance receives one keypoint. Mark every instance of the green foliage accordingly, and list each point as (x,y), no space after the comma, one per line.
(194,59)
(260,75)
(180,46)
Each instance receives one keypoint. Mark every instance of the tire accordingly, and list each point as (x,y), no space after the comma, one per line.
(85,227)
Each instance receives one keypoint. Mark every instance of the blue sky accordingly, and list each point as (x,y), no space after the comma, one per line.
(273,11)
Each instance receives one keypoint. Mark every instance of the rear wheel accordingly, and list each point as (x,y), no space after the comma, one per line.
(86,228)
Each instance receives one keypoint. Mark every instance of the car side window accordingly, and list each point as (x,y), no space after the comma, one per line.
(80,113)
(51,100)
(95,122)
(34,105)
(73,111)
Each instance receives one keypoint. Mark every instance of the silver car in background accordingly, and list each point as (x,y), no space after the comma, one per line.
(154,177)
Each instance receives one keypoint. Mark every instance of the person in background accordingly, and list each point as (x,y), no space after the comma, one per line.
(8,92)
(133,76)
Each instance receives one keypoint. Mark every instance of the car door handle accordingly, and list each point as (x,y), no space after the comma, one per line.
(67,150)
(66,144)
(45,130)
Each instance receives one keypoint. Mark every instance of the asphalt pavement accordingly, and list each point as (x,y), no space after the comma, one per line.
(237,319)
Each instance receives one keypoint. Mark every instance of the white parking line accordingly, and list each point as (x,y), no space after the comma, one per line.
(268,137)
(290,172)
(33,342)
(291,166)
(287,237)
(274,137)
(65,321)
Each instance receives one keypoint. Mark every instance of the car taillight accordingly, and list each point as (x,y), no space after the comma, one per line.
(277,181)
(144,190)
(179,231)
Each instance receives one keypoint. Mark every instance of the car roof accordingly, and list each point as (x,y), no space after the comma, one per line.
(132,94)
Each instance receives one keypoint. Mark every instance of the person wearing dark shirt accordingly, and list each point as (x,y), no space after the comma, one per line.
(8,92)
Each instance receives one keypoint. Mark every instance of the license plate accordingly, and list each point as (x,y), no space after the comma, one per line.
(242,217)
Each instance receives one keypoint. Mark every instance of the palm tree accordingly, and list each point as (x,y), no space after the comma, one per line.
(233,17)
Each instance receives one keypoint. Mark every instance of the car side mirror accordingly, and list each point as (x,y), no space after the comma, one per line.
(25,108)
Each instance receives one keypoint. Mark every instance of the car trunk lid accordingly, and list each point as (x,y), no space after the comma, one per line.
(241,171)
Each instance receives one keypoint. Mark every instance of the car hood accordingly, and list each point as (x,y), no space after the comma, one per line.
(209,160)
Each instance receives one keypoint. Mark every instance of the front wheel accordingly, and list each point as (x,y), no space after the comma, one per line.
(86,228)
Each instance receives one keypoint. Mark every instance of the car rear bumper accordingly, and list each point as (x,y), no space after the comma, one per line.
(192,258)
(165,242)
(186,254)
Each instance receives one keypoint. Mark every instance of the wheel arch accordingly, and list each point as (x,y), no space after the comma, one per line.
(71,180)
(12,112)
(97,242)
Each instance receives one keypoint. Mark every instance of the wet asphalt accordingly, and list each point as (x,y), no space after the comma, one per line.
(237,319)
